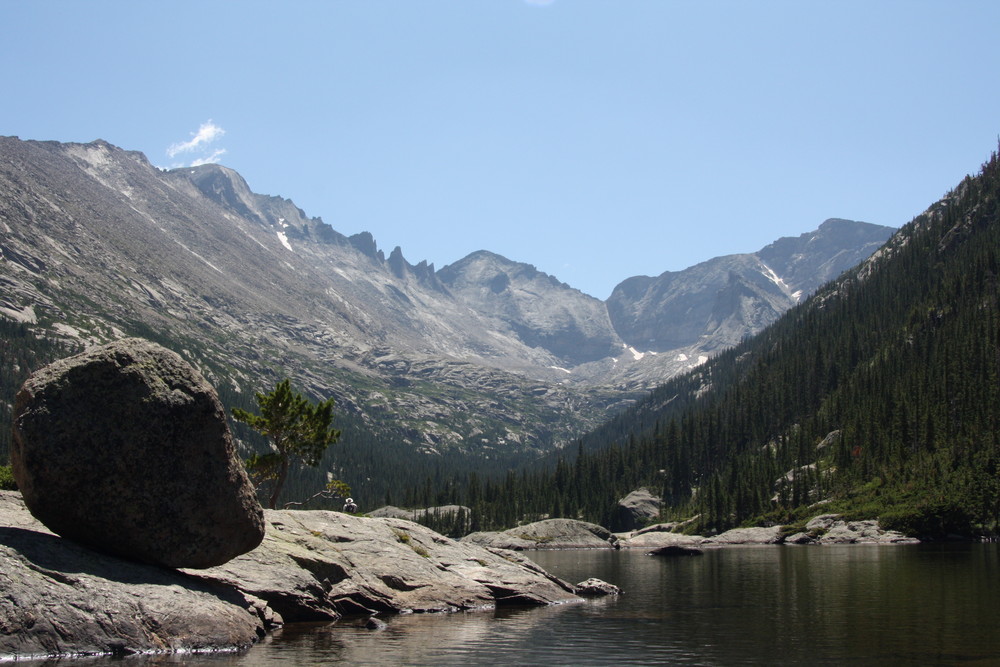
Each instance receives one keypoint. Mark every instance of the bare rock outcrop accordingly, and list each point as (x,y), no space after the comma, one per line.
(834,529)
(60,598)
(125,449)
(548,534)
(754,535)
(319,565)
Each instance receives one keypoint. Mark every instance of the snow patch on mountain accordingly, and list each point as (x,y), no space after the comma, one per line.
(770,274)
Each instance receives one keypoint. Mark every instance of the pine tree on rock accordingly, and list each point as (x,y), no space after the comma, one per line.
(298,430)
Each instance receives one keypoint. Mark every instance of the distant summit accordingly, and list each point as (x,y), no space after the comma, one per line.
(715,304)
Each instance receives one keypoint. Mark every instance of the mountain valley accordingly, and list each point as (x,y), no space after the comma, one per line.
(485,357)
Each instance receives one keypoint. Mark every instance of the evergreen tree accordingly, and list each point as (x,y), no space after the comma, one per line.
(297,430)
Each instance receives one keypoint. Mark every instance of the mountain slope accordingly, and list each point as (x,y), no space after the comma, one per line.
(721,301)
(97,244)
(573,327)
(485,358)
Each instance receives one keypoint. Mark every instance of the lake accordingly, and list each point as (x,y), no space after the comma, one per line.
(793,605)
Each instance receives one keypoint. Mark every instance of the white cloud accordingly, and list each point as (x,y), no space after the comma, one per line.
(206,134)
(208,159)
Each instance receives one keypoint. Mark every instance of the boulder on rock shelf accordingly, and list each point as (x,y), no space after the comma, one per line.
(60,598)
(636,510)
(125,448)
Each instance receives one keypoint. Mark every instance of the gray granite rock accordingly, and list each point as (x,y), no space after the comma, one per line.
(636,510)
(60,598)
(654,539)
(833,529)
(548,534)
(756,535)
(594,587)
(319,565)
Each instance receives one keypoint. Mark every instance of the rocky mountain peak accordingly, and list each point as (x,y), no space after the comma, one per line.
(537,308)
(715,304)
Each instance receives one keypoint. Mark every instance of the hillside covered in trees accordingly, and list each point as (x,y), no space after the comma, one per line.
(877,397)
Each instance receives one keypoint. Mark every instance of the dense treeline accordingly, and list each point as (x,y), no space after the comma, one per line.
(879,395)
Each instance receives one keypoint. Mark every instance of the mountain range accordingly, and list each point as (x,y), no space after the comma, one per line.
(875,398)
(487,355)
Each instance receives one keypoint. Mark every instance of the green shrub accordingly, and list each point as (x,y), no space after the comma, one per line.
(929,518)
(7,482)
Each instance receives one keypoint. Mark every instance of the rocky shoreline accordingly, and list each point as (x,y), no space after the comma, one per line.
(63,599)
(570,534)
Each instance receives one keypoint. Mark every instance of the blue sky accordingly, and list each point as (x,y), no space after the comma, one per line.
(595,139)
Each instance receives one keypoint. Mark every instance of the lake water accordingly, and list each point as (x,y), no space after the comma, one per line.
(837,605)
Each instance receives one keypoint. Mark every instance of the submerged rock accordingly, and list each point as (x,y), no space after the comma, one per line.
(126,449)
(596,588)
(677,550)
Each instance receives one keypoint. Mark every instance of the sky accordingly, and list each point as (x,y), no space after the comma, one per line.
(594,139)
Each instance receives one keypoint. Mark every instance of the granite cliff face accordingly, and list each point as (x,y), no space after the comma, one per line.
(481,355)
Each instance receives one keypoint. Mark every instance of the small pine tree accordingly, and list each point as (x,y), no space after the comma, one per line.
(298,430)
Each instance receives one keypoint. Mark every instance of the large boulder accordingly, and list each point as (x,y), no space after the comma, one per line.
(126,449)
(636,510)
